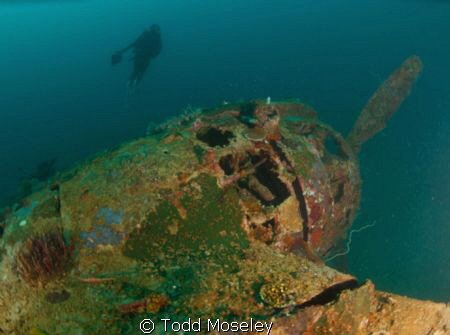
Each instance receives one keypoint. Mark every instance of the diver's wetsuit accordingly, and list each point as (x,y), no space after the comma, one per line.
(146,47)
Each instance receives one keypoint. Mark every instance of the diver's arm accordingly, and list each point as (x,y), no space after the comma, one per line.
(138,41)
(117,56)
(121,51)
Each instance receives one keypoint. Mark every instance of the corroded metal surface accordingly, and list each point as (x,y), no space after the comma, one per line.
(385,102)
(366,311)
(220,213)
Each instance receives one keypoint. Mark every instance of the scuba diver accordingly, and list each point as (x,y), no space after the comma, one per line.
(147,46)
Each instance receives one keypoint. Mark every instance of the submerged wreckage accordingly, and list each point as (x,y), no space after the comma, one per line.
(224,213)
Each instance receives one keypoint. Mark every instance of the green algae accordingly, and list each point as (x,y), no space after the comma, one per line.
(303,159)
(210,226)
(88,301)
(49,208)
(199,152)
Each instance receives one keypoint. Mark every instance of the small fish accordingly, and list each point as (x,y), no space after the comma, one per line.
(94,280)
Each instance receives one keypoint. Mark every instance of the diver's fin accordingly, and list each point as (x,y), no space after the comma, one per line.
(384,102)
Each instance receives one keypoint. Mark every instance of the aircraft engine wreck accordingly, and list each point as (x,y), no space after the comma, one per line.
(223,213)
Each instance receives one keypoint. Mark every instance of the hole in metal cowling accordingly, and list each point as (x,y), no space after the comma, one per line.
(269,223)
(226,164)
(272,191)
(330,293)
(215,137)
(334,147)
(231,164)
(303,210)
(264,232)
(339,193)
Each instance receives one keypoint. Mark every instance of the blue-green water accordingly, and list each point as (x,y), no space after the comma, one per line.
(60,98)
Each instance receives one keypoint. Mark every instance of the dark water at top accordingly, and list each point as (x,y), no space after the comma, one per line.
(60,98)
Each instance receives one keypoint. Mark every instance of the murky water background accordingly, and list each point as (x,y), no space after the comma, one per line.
(60,98)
